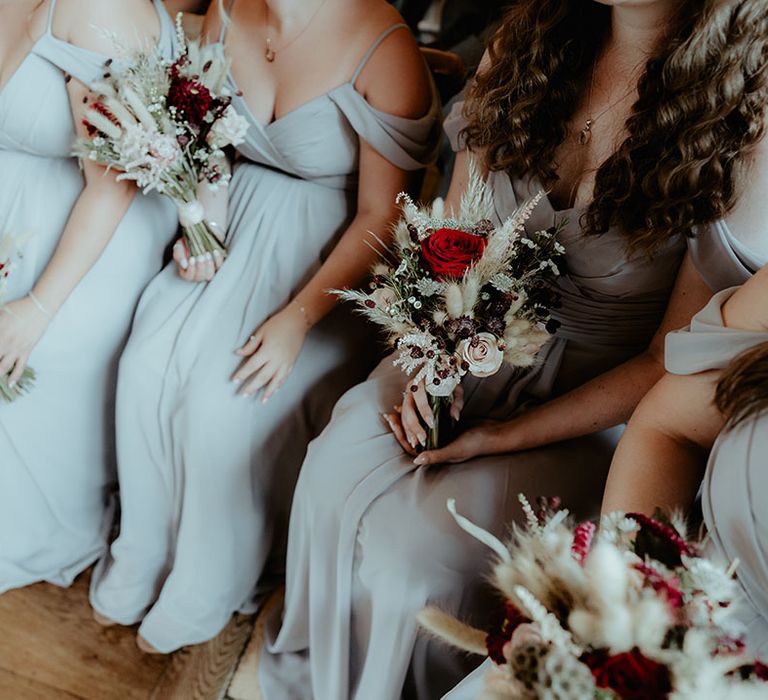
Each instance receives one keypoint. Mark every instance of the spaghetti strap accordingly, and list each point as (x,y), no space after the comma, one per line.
(49,28)
(373,48)
(224,21)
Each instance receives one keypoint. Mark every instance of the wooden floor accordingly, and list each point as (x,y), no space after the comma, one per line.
(51,649)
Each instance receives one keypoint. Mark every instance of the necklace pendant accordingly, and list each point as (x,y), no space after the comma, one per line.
(585,135)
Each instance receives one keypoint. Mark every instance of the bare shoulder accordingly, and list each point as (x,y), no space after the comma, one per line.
(395,79)
(109,23)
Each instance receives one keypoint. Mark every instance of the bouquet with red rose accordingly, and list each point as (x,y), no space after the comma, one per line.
(10,253)
(166,127)
(459,295)
(632,613)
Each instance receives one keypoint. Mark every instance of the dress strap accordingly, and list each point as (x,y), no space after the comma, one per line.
(51,9)
(373,48)
(224,19)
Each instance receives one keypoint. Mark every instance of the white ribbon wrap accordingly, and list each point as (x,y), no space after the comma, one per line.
(191,213)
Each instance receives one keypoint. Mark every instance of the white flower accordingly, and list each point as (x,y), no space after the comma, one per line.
(383,297)
(482,354)
(229,130)
(191,213)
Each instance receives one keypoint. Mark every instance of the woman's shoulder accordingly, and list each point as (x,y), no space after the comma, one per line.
(410,95)
(109,22)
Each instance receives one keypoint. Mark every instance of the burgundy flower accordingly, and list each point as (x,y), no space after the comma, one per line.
(630,675)
(659,541)
(669,588)
(449,253)
(503,625)
(192,100)
(582,540)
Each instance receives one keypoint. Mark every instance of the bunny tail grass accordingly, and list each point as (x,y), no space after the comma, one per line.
(451,630)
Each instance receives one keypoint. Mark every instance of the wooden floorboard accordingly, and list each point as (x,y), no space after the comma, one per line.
(52,649)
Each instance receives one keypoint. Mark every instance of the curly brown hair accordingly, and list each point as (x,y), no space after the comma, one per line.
(701,108)
(742,391)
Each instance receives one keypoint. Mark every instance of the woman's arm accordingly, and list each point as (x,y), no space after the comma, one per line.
(274,347)
(100,206)
(662,454)
(660,459)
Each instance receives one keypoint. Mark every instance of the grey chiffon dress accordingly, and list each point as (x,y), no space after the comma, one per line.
(724,262)
(206,476)
(371,541)
(57,465)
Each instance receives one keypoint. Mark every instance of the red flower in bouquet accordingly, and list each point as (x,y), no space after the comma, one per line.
(659,541)
(191,99)
(630,675)
(449,253)
(508,619)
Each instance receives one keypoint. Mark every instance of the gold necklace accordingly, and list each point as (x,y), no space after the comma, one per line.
(269,52)
(585,135)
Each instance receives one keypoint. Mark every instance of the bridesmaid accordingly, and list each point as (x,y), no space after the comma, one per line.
(207,471)
(599,105)
(714,399)
(91,250)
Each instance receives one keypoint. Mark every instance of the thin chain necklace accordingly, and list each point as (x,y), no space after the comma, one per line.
(585,135)
(270,53)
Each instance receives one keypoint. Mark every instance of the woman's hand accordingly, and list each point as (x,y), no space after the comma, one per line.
(272,351)
(408,421)
(22,324)
(480,439)
(200,269)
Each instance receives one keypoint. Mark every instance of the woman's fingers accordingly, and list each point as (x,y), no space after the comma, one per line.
(205,267)
(457,404)
(414,431)
(259,380)
(218,260)
(252,365)
(7,362)
(445,455)
(18,370)
(393,421)
(251,345)
(277,381)
(421,400)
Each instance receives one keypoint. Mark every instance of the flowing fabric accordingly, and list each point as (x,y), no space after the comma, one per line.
(735,483)
(719,259)
(206,476)
(57,443)
(371,541)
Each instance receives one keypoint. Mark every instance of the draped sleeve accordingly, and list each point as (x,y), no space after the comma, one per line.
(707,343)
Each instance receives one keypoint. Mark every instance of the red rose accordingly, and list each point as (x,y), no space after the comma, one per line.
(630,675)
(503,625)
(449,253)
(192,100)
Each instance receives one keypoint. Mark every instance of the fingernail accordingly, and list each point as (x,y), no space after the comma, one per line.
(208,257)
(412,442)
(12,384)
(216,253)
(423,440)
(431,422)
(419,460)
(193,260)
(201,259)
(236,380)
(265,399)
(184,264)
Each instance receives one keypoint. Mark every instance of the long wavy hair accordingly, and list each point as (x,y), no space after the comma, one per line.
(742,391)
(702,104)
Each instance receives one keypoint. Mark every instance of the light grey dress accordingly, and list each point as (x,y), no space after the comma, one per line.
(735,485)
(206,476)
(56,443)
(371,541)
(723,262)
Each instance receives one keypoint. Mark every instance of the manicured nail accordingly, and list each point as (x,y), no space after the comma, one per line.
(193,260)
(423,440)
(431,422)
(216,253)
(201,259)
(208,257)
(236,380)
(184,264)
(419,460)
(12,384)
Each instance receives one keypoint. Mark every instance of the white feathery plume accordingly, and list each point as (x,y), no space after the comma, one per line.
(489,540)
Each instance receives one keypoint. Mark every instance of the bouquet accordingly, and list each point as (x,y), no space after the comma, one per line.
(10,252)
(461,296)
(632,613)
(165,127)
